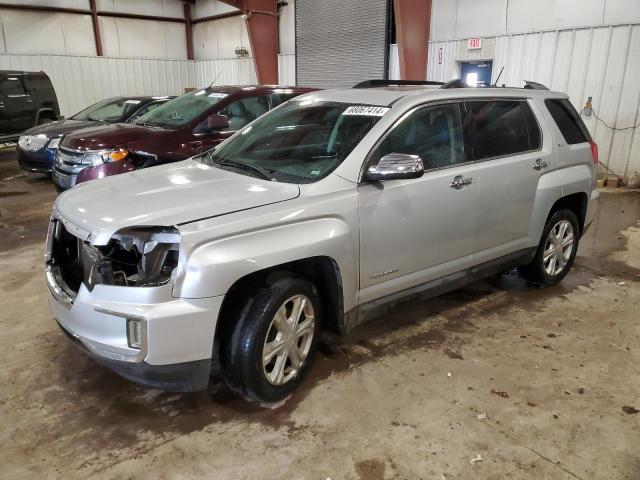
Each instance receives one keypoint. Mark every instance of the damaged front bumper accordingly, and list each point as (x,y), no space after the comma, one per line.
(176,337)
(136,328)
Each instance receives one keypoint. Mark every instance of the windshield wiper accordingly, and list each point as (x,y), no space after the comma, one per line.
(264,173)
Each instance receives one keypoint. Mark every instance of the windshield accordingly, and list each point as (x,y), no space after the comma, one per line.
(300,142)
(112,110)
(181,110)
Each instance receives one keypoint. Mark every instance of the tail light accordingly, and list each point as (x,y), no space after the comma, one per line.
(594,151)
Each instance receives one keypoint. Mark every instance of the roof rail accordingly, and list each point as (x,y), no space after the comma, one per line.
(394,83)
(534,85)
(455,83)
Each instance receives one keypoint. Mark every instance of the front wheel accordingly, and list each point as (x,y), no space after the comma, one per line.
(556,251)
(272,346)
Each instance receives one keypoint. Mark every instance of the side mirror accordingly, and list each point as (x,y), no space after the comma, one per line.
(396,166)
(217,122)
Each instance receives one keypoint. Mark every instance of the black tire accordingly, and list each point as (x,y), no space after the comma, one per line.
(242,352)
(535,272)
(58,188)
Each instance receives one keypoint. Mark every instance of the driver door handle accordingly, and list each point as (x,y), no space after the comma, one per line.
(459,182)
(539,164)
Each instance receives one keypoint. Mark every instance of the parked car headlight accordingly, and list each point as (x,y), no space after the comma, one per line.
(94,159)
(32,143)
(53,144)
(134,257)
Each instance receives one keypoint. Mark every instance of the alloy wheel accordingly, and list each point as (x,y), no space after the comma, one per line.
(289,339)
(558,247)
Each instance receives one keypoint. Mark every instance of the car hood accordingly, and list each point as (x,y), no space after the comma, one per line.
(55,129)
(108,136)
(165,195)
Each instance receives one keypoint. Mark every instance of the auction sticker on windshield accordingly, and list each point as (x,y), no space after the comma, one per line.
(364,110)
(217,95)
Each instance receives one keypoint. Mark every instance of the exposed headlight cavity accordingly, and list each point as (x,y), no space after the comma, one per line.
(140,257)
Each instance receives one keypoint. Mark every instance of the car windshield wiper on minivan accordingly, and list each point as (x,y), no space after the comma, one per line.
(264,173)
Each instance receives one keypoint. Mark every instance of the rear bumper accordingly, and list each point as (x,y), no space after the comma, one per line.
(177,338)
(592,208)
(38,162)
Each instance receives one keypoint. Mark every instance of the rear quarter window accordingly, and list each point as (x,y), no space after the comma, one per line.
(502,127)
(568,121)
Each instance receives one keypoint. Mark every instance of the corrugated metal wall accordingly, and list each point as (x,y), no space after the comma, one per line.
(225,71)
(81,81)
(599,62)
(340,43)
(287,69)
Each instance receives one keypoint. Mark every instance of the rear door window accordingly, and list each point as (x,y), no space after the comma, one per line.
(501,127)
(568,121)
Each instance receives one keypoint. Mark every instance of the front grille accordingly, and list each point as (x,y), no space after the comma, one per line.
(65,253)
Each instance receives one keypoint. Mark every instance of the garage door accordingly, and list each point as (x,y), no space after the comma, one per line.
(340,42)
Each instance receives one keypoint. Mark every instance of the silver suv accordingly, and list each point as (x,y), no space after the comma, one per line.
(230,264)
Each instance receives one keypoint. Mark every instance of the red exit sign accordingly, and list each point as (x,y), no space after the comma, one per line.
(474,43)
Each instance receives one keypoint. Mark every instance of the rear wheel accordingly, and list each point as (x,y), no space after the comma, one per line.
(273,344)
(556,251)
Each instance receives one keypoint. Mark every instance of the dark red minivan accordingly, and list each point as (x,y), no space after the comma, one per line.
(185,126)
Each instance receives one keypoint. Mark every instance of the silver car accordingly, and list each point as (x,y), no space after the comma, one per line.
(231,263)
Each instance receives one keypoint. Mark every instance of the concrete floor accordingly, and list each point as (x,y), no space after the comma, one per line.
(397,399)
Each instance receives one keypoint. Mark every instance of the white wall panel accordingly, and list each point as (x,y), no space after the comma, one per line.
(457,19)
(601,62)
(287,69)
(443,19)
(525,15)
(229,71)
(52,33)
(207,8)
(287,28)
(219,38)
(160,8)
(478,18)
(621,11)
(83,4)
(125,37)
